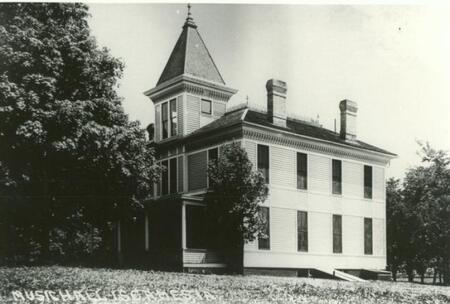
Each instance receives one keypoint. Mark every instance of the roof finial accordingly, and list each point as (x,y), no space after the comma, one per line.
(189,19)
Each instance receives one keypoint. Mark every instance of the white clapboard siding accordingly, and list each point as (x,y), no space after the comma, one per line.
(253,245)
(219,108)
(250,147)
(193,113)
(200,257)
(283,229)
(352,235)
(319,173)
(206,119)
(157,122)
(352,179)
(319,233)
(197,171)
(379,237)
(283,167)
(194,257)
(378,183)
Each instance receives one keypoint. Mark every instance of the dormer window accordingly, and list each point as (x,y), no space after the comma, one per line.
(206,106)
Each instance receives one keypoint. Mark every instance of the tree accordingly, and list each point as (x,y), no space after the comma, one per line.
(416,196)
(233,202)
(67,147)
(418,216)
(396,228)
(434,206)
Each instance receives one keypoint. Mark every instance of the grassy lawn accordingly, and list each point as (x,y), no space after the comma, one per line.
(76,285)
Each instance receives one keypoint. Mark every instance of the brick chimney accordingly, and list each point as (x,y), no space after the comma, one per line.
(348,119)
(276,101)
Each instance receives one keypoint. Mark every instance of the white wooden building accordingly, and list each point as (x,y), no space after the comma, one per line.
(327,204)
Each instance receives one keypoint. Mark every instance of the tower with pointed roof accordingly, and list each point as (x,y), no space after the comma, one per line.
(190,92)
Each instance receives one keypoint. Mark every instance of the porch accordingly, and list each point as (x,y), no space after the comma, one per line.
(194,240)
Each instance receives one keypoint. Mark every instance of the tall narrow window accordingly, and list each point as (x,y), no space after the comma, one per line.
(367,181)
(165,120)
(302,171)
(165,178)
(337,176)
(337,233)
(263,161)
(173,175)
(368,236)
(206,106)
(264,236)
(173,117)
(302,231)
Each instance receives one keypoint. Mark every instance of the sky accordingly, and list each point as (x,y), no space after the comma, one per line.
(394,61)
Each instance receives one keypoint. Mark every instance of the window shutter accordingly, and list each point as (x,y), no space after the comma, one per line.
(263,161)
(197,168)
(337,176)
(173,175)
(180,174)
(158,123)
(302,171)
(165,178)
(368,245)
(367,181)
(337,233)
(302,231)
(180,115)
(264,238)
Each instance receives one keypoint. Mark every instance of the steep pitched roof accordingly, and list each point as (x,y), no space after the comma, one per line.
(190,56)
(292,125)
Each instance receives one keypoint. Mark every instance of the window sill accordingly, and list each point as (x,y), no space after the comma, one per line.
(201,250)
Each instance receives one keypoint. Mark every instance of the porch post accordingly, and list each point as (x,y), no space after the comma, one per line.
(119,243)
(146,232)
(183,225)
(119,240)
